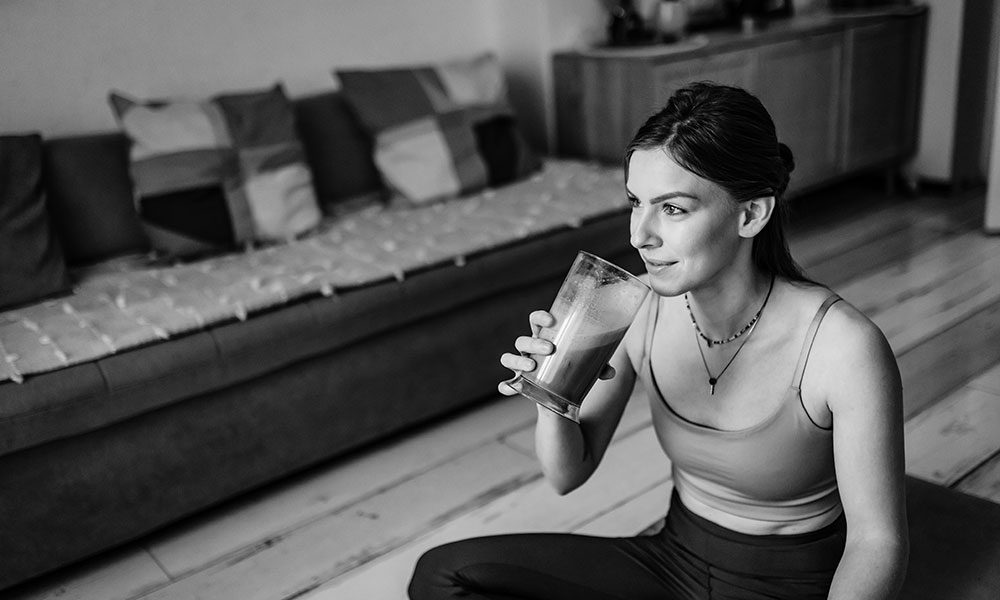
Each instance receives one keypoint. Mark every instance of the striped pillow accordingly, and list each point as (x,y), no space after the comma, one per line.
(440,130)
(217,174)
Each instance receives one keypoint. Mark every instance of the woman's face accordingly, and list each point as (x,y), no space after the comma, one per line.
(685,228)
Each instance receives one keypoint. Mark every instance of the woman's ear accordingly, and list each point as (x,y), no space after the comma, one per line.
(754,215)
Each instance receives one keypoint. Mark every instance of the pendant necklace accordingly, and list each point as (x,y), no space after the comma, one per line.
(746,331)
(709,342)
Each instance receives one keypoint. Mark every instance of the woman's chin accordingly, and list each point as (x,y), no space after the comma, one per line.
(666,286)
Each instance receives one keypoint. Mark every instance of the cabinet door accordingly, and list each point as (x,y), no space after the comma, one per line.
(878,96)
(732,68)
(799,84)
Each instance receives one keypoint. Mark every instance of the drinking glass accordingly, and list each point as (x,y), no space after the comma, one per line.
(593,309)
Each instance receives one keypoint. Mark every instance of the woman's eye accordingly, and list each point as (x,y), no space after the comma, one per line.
(670,209)
(632,201)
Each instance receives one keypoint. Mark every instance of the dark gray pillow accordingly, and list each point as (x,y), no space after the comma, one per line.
(89,197)
(31,260)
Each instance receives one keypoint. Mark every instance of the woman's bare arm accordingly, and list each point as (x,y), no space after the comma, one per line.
(864,394)
(568,452)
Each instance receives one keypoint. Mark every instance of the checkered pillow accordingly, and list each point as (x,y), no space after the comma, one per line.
(216,174)
(440,130)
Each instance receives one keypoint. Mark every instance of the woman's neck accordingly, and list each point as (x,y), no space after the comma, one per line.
(725,306)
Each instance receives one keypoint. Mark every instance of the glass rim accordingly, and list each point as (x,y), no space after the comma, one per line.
(613,267)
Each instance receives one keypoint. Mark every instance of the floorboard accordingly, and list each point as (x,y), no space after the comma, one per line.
(984,481)
(308,557)
(277,510)
(948,360)
(636,416)
(122,574)
(989,381)
(897,239)
(628,470)
(934,290)
(630,517)
(949,440)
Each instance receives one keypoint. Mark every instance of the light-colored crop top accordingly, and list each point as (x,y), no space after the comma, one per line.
(776,477)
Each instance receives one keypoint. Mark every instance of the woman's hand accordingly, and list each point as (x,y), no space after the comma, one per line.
(522,363)
(569,451)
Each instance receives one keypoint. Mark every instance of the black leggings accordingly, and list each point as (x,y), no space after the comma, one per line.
(691,558)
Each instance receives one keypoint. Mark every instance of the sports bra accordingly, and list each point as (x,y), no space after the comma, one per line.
(775,477)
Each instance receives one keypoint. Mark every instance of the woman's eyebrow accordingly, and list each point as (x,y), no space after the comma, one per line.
(666,196)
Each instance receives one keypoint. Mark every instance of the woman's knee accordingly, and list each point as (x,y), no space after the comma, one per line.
(433,574)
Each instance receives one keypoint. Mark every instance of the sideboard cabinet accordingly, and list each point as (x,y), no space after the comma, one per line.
(844,90)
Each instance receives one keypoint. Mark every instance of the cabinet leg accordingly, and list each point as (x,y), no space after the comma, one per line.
(907,177)
(911,186)
(890,182)
(901,181)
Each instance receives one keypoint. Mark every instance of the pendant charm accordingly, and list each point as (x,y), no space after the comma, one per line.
(711,382)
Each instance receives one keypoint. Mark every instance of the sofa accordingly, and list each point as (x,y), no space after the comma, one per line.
(103,446)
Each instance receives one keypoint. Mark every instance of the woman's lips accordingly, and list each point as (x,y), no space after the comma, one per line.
(656,265)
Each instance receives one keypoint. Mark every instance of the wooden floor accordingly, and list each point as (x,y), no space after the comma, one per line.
(919,267)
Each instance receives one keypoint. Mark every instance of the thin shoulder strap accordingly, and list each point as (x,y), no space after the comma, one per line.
(810,338)
(652,314)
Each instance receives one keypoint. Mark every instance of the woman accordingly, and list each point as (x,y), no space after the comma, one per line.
(778,404)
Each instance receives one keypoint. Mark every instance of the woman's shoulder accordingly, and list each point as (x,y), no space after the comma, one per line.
(850,358)
(849,326)
(848,340)
(842,325)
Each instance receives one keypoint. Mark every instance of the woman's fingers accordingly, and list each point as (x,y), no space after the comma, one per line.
(510,387)
(539,319)
(517,362)
(526,346)
(533,345)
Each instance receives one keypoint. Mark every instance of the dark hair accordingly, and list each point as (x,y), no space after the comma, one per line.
(725,135)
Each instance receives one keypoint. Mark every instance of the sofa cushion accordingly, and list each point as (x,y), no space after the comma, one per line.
(91,395)
(31,260)
(339,153)
(90,197)
(440,130)
(211,175)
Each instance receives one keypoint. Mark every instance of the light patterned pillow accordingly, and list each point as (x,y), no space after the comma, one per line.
(216,174)
(440,130)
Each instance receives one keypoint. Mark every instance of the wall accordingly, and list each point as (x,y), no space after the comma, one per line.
(958,85)
(59,59)
(992,94)
(991,218)
(527,32)
(937,119)
(973,79)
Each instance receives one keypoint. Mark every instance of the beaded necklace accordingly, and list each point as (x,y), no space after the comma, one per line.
(748,329)
(709,342)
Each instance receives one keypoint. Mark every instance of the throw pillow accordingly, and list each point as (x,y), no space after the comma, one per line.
(440,130)
(31,260)
(214,174)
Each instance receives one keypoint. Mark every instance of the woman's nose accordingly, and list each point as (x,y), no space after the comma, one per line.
(642,234)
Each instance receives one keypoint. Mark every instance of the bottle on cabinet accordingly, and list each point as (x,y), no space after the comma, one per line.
(626,26)
(671,20)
